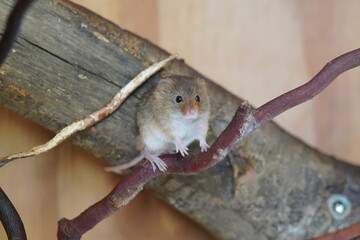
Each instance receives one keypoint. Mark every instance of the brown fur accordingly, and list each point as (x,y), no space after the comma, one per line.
(158,105)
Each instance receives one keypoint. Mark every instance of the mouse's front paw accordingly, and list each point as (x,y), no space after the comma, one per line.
(204,146)
(180,147)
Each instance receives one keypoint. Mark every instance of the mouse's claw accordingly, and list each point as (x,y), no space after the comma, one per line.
(204,146)
(181,148)
(156,162)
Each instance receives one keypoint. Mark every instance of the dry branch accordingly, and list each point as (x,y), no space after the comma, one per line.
(93,118)
(244,122)
(40,81)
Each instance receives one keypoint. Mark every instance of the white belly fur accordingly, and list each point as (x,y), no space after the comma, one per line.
(185,130)
(156,142)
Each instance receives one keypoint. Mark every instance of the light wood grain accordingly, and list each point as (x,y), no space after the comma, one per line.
(258,50)
(255,49)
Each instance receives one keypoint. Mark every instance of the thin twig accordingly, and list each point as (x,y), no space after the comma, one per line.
(10,219)
(92,118)
(12,27)
(245,121)
(309,90)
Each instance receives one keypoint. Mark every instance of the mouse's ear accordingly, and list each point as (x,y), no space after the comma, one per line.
(200,81)
(164,82)
(165,74)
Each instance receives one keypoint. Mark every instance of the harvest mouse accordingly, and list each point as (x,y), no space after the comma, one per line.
(170,117)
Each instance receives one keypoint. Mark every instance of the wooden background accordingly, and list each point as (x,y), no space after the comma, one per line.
(255,49)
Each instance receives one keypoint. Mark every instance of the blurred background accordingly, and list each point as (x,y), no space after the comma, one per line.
(257,50)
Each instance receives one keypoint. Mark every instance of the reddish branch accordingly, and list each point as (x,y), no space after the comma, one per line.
(309,90)
(245,121)
(12,27)
(10,219)
(344,234)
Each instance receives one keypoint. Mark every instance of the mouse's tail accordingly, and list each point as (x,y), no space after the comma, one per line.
(121,167)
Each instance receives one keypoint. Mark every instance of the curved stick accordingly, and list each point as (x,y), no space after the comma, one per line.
(245,121)
(94,117)
(10,219)
(310,89)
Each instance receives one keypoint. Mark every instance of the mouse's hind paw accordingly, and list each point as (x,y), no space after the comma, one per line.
(156,162)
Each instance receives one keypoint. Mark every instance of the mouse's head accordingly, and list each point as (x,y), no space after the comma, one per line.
(183,96)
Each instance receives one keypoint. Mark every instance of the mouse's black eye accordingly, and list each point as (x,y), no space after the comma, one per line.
(179,99)
(197,98)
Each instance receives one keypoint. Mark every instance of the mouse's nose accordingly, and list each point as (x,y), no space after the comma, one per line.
(192,111)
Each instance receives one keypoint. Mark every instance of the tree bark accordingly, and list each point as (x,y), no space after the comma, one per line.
(68,62)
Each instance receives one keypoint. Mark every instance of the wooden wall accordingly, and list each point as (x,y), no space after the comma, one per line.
(256,49)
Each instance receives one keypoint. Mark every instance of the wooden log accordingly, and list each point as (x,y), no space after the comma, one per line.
(68,62)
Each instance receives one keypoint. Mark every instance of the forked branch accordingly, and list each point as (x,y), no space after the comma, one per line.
(244,122)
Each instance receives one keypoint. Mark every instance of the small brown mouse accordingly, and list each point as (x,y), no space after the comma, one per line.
(170,117)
